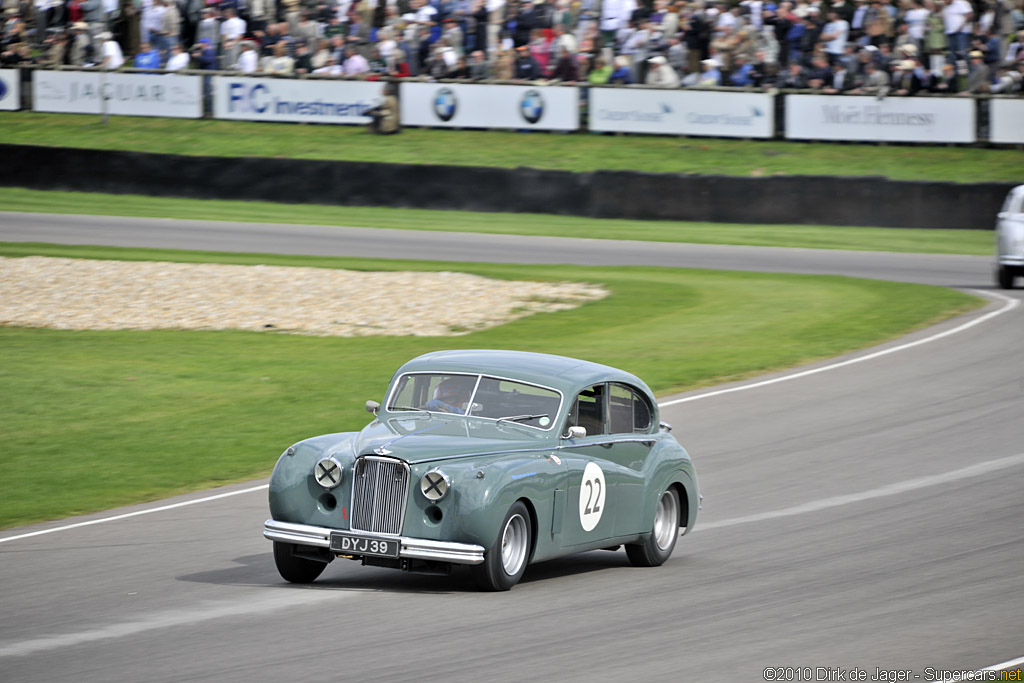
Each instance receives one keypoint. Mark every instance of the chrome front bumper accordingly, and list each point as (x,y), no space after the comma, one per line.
(411,548)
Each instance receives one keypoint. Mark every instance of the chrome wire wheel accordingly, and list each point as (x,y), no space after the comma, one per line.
(515,540)
(666,520)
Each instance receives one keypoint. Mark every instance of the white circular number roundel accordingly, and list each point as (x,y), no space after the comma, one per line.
(591,496)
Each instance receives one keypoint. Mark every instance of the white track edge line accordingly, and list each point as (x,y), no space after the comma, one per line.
(135,514)
(1009,304)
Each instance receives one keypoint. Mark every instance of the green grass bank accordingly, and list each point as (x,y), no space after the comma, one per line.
(136,416)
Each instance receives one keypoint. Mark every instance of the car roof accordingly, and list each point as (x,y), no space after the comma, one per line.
(558,372)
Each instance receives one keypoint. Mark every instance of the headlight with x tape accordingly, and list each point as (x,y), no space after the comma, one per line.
(328,473)
(434,485)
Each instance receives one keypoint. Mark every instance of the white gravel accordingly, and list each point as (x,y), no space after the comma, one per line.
(79,294)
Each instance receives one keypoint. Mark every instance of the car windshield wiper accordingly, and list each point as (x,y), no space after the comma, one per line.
(520,418)
(415,410)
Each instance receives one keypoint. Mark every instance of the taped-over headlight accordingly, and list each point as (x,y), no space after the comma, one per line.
(434,485)
(328,473)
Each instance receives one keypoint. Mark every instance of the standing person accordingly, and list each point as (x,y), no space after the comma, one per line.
(956,17)
(835,35)
(80,49)
(233,28)
(170,28)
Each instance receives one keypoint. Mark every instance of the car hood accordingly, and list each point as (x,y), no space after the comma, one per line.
(422,438)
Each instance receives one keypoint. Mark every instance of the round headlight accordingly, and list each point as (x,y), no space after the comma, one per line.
(434,485)
(328,473)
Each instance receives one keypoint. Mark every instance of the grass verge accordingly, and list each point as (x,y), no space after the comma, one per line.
(976,242)
(99,419)
(576,152)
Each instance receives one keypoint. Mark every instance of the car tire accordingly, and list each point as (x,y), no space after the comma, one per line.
(505,562)
(1005,277)
(296,569)
(664,533)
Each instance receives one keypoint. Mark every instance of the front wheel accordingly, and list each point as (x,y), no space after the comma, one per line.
(505,562)
(1004,277)
(662,541)
(296,569)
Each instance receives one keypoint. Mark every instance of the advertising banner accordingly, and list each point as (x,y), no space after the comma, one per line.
(1006,121)
(451,105)
(10,89)
(86,92)
(682,112)
(310,101)
(895,119)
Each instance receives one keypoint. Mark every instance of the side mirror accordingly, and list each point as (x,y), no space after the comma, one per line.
(576,433)
(665,426)
(372,407)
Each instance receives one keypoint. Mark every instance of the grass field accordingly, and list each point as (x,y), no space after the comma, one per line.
(575,152)
(98,419)
(977,242)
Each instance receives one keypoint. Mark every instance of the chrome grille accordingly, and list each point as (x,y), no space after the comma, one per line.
(378,495)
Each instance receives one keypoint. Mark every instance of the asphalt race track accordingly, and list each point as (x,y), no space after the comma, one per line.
(865,517)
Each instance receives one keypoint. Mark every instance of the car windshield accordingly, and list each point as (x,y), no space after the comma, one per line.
(477,396)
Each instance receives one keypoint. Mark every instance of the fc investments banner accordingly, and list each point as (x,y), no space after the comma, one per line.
(1006,121)
(682,112)
(89,92)
(895,119)
(10,89)
(310,101)
(451,105)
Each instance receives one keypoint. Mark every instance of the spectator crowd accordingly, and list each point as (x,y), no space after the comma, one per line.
(879,47)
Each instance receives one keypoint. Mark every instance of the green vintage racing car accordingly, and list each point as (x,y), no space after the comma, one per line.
(494,459)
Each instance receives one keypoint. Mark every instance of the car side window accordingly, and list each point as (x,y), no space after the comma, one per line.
(628,411)
(588,410)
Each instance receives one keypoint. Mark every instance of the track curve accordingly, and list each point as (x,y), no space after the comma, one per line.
(868,517)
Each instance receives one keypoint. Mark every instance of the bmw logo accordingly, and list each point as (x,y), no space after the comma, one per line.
(445,104)
(3,89)
(532,106)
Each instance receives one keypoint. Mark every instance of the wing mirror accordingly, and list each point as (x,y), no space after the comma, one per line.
(576,433)
(372,407)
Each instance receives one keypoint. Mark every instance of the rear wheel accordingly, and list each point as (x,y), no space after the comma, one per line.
(1004,277)
(664,534)
(296,569)
(505,562)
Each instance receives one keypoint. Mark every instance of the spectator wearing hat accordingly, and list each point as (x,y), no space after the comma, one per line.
(110,54)
(979,76)
(80,49)
(710,73)
(905,80)
(526,67)
(660,74)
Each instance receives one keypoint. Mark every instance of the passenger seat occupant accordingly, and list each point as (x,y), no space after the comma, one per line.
(451,396)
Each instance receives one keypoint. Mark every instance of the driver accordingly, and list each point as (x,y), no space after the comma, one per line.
(451,396)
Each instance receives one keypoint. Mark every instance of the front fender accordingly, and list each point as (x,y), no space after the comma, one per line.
(482,491)
(295,496)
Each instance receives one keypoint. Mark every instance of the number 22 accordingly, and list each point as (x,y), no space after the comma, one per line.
(591,485)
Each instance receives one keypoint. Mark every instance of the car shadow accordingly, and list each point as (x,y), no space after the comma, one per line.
(346,575)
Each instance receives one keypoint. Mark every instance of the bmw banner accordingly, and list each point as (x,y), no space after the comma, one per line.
(309,101)
(10,89)
(452,105)
(682,112)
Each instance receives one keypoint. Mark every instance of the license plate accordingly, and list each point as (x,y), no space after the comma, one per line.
(362,545)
